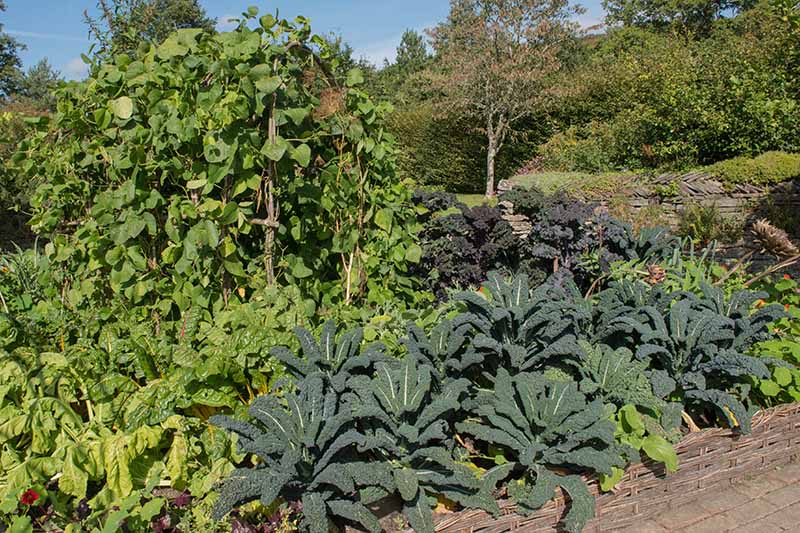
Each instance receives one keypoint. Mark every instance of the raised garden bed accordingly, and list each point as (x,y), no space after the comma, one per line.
(708,459)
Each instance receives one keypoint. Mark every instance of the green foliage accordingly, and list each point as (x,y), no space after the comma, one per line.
(643,434)
(304,442)
(10,62)
(783,352)
(546,426)
(447,152)
(415,434)
(170,190)
(769,168)
(695,15)
(697,346)
(616,376)
(705,224)
(651,99)
(123,25)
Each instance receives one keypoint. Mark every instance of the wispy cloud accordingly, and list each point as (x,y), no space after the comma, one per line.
(48,36)
(75,69)
(227,22)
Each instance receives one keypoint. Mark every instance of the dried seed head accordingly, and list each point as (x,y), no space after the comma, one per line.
(773,240)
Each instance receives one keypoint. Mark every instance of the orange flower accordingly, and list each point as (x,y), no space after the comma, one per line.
(787,277)
(725,267)
(761,303)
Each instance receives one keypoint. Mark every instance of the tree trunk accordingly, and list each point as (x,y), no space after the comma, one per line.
(491,154)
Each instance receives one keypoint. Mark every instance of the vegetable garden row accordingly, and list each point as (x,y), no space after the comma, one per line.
(243,320)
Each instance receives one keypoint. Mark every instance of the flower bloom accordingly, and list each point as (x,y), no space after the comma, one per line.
(787,277)
(760,303)
(29,497)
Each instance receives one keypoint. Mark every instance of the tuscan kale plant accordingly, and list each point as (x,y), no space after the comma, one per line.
(695,346)
(414,435)
(448,350)
(549,433)
(305,445)
(337,358)
(519,330)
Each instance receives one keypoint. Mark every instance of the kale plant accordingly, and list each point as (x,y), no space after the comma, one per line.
(337,358)
(546,428)
(459,248)
(448,350)
(305,444)
(414,435)
(521,330)
(579,238)
(616,376)
(695,346)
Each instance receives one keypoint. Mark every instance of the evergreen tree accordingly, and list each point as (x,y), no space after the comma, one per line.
(10,63)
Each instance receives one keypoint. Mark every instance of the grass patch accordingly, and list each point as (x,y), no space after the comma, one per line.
(580,182)
(473,200)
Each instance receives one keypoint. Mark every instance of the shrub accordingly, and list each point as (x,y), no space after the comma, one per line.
(769,168)
(647,99)
(217,163)
(704,224)
(567,151)
(448,153)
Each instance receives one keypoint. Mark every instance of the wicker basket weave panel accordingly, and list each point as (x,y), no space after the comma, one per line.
(707,459)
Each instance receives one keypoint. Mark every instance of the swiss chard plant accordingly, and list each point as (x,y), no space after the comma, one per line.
(549,434)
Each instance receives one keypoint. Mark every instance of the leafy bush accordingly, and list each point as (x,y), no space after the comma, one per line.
(215,164)
(460,247)
(704,224)
(448,152)
(768,168)
(649,99)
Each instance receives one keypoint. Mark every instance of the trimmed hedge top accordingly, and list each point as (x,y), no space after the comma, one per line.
(767,169)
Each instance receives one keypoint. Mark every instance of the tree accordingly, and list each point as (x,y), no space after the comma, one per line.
(412,54)
(494,59)
(124,24)
(37,85)
(10,62)
(697,15)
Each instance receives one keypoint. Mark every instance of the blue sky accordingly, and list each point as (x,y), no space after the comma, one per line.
(54,28)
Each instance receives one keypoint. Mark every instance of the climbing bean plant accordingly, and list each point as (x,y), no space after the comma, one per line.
(214,164)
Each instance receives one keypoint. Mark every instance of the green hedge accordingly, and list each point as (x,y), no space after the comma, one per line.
(449,153)
(767,169)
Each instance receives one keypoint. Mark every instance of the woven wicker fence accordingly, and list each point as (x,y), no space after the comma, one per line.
(707,459)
